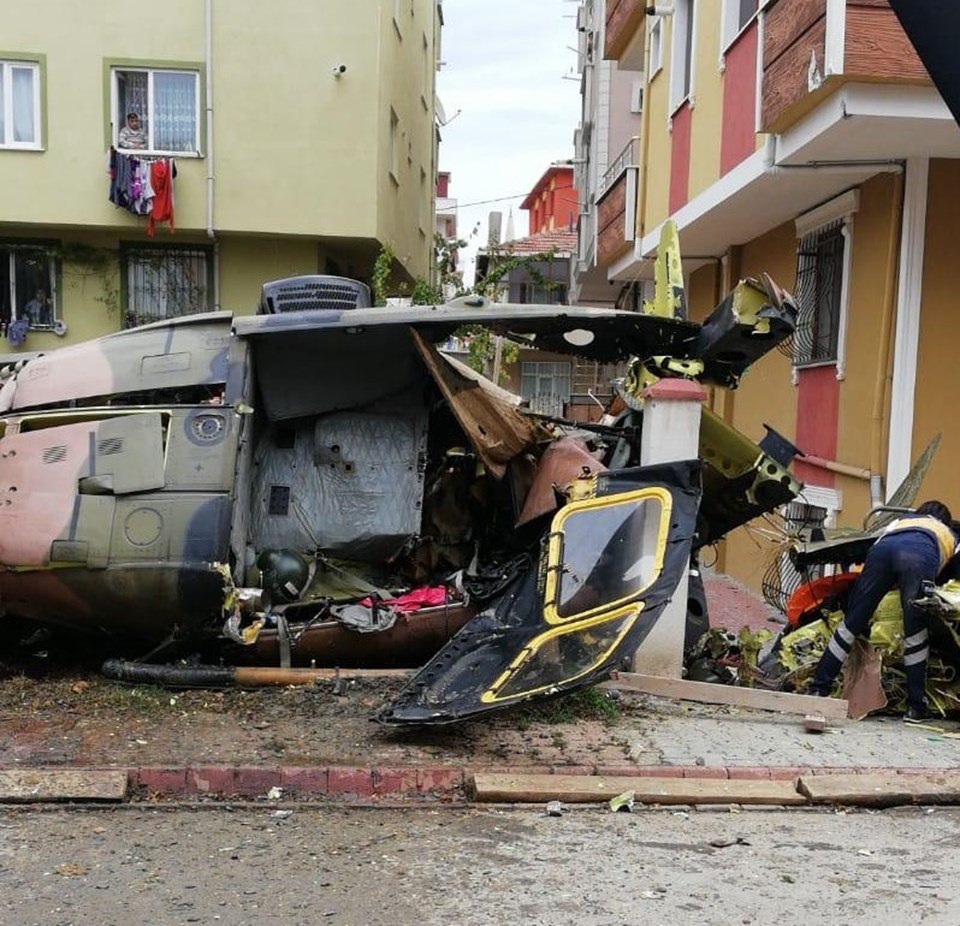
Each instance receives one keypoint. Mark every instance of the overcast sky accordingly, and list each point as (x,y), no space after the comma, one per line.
(505,66)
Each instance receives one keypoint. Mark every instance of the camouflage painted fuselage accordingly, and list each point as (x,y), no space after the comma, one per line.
(117,471)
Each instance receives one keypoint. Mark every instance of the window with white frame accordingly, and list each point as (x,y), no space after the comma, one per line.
(682,52)
(164,282)
(19,104)
(656,47)
(28,285)
(823,276)
(545,385)
(736,15)
(156,110)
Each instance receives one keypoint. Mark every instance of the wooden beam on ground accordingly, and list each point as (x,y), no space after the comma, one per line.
(586,789)
(882,790)
(41,786)
(707,693)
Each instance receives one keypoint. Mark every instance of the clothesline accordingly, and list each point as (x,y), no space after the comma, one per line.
(143,185)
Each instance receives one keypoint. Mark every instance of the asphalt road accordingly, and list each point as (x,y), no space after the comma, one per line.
(356,867)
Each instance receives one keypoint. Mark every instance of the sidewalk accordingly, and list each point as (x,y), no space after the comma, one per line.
(313,743)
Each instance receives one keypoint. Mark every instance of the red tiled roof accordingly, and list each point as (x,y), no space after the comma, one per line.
(562,242)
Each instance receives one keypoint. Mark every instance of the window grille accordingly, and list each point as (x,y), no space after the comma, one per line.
(820,259)
(165,283)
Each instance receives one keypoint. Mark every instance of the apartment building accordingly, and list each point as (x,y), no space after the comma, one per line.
(298,137)
(803,138)
(606,146)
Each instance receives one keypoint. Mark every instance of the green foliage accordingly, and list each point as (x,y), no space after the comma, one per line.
(502,262)
(482,343)
(583,704)
(379,281)
(85,261)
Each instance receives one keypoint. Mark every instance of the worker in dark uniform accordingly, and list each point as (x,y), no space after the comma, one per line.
(911,550)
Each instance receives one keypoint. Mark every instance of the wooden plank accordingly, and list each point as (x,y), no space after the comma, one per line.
(877,48)
(588,789)
(785,22)
(785,82)
(706,693)
(34,786)
(881,790)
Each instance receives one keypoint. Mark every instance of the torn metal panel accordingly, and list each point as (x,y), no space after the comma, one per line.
(740,481)
(497,431)
(562,462)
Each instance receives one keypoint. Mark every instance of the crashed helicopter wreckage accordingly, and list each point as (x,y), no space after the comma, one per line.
(271,481)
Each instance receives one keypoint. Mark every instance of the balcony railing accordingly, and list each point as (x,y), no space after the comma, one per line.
(811,47)
(616,217)
(628,157)
(624,19)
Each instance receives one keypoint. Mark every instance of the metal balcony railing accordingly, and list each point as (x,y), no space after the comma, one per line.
(628,157)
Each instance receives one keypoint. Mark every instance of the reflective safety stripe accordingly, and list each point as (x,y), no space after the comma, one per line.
(918,639)
(836,648)
(846,634)
(912,659)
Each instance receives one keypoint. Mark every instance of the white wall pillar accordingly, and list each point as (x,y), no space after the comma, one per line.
(671,432)
(907,333)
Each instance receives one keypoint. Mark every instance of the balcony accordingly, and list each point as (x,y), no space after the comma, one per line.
(624,29)
(617,205)
(813,47)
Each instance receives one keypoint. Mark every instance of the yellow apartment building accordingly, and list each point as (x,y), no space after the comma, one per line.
(302,133)
(803,138)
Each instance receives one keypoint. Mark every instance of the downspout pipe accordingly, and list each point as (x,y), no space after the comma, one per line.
(640,224)
(211,233)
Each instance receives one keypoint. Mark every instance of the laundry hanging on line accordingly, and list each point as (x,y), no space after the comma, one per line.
(143,186)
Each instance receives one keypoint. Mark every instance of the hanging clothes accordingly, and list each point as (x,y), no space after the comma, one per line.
(142,186)
(17,331)
(162,173)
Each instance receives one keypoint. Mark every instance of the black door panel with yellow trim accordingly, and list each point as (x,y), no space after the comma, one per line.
(607,566)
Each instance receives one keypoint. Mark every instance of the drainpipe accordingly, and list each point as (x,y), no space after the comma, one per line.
(639,225)
(211,234)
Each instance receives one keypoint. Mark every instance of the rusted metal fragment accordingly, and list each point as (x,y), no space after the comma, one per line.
(40,786)
(562,462)
(497,431)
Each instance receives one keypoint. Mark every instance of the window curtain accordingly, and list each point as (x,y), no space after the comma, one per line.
(24,129)
(175,111)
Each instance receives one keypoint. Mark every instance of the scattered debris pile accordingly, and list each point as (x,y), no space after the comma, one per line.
(786,661)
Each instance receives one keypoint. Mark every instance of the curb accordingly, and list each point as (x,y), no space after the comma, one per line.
(433,783)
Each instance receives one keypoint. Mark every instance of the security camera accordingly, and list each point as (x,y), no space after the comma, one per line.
(339,70)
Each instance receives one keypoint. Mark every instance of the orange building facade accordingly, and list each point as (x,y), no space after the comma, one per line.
(552,203)
(803,138)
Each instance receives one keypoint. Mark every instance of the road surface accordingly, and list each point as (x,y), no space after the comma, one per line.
(440,867)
